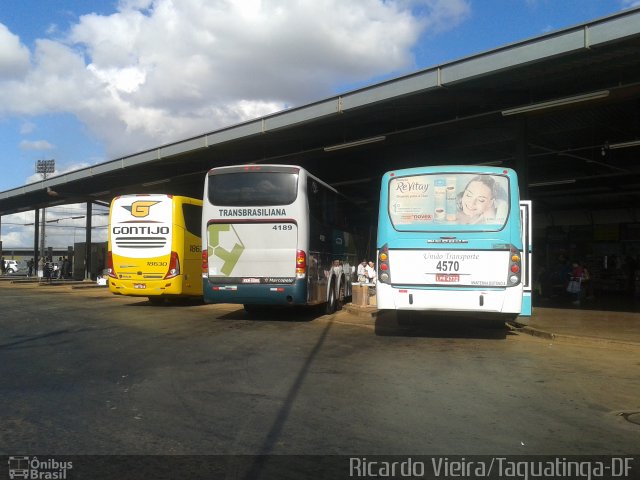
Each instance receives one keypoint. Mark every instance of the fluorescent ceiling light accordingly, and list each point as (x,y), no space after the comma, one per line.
(560,102)
(351,182)
(492,162)
(157,182)
(355,143)
(632,143)
(554,182)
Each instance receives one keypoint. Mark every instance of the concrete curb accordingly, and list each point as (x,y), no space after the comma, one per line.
(364,312)
(368,315)
(88,285)
(576,339)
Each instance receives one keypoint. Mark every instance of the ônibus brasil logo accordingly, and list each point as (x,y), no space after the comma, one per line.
(34,468)
(140,208)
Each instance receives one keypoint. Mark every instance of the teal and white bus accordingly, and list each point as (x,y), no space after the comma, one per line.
(454,239)
(275,235)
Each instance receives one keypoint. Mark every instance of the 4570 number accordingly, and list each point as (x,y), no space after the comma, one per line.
(448,266)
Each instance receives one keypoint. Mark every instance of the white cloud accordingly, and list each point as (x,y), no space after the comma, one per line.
(14,57)
(36,177)
(36,145)
(62,228)
(158,71)
(442,15)
(18,228)
(27,127)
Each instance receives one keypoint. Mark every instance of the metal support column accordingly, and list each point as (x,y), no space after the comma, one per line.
(522,159)
(87,254)
(36,239)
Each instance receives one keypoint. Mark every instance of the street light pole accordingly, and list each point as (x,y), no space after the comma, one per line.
(43,167)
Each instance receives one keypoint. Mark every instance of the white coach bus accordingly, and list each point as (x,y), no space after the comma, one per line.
(275,235)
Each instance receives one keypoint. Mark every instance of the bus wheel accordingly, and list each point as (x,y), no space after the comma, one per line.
(156,300)
(341,296)
(405,317)
(253,309)
(331,301)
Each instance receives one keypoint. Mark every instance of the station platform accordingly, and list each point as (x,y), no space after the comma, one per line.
(613,320)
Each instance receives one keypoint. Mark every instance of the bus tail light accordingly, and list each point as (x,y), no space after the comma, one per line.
(301,263)
(174,266)
(515,266)
(384,271)
(205,263)
(110,270)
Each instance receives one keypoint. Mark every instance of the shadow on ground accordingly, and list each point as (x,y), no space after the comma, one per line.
(419,324)
(275,314)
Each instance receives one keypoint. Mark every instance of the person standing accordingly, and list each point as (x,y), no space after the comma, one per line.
(362,272)
(30,264)
(371,273)
(578,273)
(65,268)
(41,267)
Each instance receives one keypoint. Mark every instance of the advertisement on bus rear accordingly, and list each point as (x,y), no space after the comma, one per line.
(449,199)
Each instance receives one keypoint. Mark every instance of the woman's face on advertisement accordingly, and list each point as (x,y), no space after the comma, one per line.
(477,199)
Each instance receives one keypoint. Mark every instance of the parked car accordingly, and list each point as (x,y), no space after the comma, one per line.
(11,266)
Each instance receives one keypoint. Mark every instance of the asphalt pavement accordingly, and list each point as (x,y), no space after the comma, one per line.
(608,319)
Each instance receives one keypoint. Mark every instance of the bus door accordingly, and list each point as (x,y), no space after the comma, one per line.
(525,225)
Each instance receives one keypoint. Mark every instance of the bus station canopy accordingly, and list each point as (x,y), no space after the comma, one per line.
(563,109)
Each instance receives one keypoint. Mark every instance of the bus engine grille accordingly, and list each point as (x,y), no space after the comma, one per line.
(141,242)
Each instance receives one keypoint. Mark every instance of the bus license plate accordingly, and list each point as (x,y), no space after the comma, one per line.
(139,285)
(440,277)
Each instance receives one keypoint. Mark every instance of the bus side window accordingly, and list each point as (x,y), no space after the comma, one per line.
(192,217)
(316,200)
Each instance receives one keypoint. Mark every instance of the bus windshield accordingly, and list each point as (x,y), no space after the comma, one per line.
(257,189)
(449,202)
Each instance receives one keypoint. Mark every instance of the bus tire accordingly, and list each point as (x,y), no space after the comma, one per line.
(252,309)
(341,295)
(405,317)
(331,299)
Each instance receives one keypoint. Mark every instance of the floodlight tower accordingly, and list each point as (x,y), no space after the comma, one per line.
(43,167)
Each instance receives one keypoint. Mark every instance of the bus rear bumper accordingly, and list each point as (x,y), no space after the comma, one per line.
(507,300)
(256,294)
(146,288)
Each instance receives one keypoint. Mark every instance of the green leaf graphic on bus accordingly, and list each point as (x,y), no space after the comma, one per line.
(224,244)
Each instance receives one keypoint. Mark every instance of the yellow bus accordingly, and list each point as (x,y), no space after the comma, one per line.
(154,247)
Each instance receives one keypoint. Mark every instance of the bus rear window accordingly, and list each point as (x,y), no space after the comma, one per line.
(455,201)
(253,189)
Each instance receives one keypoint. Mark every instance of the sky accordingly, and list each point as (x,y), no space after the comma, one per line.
(88,81)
